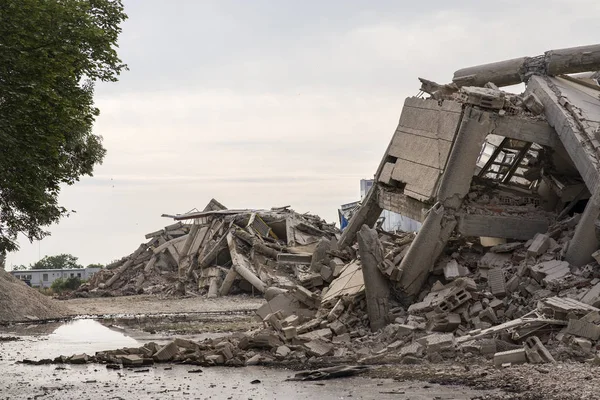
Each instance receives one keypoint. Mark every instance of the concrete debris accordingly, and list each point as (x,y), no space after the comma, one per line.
(217,252)
(477,166)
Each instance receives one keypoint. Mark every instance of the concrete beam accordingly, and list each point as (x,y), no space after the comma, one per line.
(501,226)
(525,129)
(572,137)
(367,214)
(511,72)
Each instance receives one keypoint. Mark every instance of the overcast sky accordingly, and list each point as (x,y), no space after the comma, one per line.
(269,103)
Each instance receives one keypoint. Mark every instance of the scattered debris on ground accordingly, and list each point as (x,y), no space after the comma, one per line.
(19,302)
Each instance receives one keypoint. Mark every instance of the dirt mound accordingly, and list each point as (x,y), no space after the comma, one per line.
(19,302)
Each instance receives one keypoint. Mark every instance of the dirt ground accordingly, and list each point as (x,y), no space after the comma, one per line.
(147,304)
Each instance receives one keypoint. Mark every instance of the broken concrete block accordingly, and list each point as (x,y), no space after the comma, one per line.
(583,329)
(496,282)
(337,327)
(292,320)
(289,332)
(445,322)
(592,297)
(413,349)
(282,351)
(167,353)
(79,359)
(512,284)
(537,352)
(453,300)
(336,265)
(517,356)
(583,344)
(437,341)
(215,359)
(305,296)
(326,273)
(451,271)
(540,244)
(319,348)
(548,271)
(131,359)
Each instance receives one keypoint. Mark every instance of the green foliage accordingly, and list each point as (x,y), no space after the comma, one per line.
(95,265)
(21,267)
(51,53)
(57,262)
(60,285)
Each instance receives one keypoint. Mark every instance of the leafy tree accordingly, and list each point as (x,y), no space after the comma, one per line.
(21,267)
(57,262)
(51,54)
(95,265)
(60,284)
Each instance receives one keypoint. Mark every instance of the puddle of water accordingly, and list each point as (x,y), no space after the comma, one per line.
(76,337)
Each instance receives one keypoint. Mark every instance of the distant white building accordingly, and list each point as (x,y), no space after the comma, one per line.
(45,277)
(391,221)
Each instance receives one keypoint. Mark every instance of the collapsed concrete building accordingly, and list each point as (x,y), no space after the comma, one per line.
(476,165)
(545,161)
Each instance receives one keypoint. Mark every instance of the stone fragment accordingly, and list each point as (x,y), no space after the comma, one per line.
(79,359)
(540,244)
(289,332)
(513,357)
(131,359)
(337,327)
(283,351)
(537,352)
(319,348)
(167,352)
(583,329)
(496,282)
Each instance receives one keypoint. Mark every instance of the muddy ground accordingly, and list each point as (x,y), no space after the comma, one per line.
(132,321)
(147,304)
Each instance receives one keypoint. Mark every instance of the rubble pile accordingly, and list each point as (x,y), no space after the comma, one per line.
(505,265)
(219,251)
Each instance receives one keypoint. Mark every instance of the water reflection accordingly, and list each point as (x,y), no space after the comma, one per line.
(81,336)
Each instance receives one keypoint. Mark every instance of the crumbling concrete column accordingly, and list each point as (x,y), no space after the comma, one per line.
(454,186)
(511,72)
(367,214)
(584,241)
(377,291)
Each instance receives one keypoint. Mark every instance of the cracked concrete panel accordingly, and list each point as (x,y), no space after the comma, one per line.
(430,119)
(402,204)
(421,150)
(421,146)
(421,180)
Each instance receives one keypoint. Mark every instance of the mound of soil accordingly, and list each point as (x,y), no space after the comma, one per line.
(19,302)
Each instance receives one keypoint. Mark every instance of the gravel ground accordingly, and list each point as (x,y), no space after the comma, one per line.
(561,381)
(147,304)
